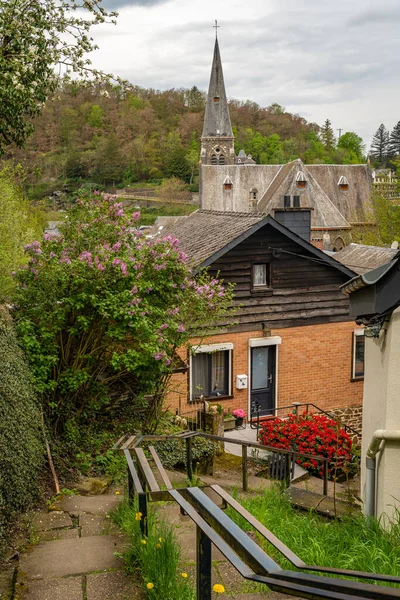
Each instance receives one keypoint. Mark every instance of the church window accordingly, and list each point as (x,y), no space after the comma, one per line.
(286,201)
(214,159)
(296,201)
(221,159)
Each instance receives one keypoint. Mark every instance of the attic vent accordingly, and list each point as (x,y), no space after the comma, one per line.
(343,184)
(214,159)
(216,99)
(221,159)
(301,180)
(228,183)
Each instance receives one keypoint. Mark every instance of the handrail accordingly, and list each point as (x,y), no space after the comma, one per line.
(213,526)
(294,408)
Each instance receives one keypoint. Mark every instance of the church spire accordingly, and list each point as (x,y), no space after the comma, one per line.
(217,122)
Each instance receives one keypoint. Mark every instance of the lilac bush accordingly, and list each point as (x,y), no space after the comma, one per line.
(102,303)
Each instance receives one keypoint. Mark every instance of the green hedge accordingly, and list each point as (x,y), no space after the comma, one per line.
(21,445)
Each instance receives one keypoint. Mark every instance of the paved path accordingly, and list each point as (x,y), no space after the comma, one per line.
(76,556)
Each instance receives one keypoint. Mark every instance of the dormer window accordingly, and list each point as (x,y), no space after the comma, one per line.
(228,183)
(286,201)
(216,99)
(296,201)
(343,184)
(253,194)
(301,180)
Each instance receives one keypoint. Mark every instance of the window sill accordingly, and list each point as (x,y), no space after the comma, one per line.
(261,291)
(213,399)
(357,379)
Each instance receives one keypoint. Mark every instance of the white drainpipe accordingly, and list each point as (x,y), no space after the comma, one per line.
(370,477)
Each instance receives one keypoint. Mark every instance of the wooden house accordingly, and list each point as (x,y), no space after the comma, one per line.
(292,339)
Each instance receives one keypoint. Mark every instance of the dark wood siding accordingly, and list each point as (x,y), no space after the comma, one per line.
(303,291)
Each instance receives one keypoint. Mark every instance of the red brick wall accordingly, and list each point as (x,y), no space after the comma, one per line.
(314,365)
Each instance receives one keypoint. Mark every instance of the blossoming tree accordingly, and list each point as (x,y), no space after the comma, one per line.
(102,302)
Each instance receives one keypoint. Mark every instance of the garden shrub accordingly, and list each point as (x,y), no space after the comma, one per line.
(21,444)
(310,434)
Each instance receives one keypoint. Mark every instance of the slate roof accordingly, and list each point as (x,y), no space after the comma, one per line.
(324,214)
(354,204)
(217,121)
(205,235)
(361,258)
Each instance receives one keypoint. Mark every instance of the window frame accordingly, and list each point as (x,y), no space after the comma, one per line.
(357,333)
(210,349)
(261,288)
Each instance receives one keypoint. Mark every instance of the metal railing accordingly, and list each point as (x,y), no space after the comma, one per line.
(214,527)
(256,418)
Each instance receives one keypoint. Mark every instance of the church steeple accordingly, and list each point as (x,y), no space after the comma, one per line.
(217,141)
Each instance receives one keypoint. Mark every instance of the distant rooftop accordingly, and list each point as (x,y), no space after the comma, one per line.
(361,258)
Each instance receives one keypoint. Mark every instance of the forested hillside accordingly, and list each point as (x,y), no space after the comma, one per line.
(104,136)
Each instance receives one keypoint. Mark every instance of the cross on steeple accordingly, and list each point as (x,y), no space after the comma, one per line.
(216,27)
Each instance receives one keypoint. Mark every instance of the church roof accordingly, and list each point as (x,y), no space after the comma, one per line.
(354,204)
(324,215)
(217,122)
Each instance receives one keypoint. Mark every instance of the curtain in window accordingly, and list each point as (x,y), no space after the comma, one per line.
(219,374)
(200,375)
(259,275)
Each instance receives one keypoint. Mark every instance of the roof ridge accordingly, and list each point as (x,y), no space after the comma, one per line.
(231,213)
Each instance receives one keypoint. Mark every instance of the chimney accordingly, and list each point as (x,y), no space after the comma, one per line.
(297,220)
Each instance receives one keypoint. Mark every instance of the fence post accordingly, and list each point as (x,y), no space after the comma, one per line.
(244,469)
(287,469)
(296,408)
(142,501)
(325,477)
(131,489)
(189,459)
(203,565)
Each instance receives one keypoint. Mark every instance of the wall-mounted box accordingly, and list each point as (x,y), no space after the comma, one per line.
(241,382)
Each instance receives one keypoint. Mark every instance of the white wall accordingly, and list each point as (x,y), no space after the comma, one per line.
(381,410)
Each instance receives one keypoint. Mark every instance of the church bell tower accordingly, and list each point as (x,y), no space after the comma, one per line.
(217,141)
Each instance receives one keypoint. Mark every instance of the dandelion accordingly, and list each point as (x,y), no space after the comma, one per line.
(138,516)
(144,542)
(218,588)
(160,540)
(150,585)
(117,493)
(184,575)
(158,545)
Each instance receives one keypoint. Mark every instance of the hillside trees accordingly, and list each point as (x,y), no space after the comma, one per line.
(34,38)
(20,223)
(327,136)
(353,143)
(103,306)
(394,140)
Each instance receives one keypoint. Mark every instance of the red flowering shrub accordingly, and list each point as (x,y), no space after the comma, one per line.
(310,434)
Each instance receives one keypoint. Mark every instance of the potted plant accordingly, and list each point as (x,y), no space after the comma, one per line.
(239,415)
(229,421)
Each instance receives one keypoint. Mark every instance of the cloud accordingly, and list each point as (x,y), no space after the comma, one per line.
(315,60)
(116,4)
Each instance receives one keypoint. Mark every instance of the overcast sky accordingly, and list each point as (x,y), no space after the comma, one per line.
(336,59)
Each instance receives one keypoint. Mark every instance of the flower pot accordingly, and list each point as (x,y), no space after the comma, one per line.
(239,421)
(229,423)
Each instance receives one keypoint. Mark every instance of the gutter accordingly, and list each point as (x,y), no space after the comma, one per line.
(374,447)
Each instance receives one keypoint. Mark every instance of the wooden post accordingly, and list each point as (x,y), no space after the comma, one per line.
(189,459)
(244,469)
(203,566)
(131,489)
(143,504)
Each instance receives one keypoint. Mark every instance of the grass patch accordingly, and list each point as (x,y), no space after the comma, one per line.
(350,543)
(149,215)
(156,557)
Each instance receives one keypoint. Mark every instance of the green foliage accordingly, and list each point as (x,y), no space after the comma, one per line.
(20,223)
(102,306)
(95,116)
(156,556)
(173,190)
(386,216)
(327,136)
(34,37)
(173,453)
(352,543)
(352,142)
(21,444)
